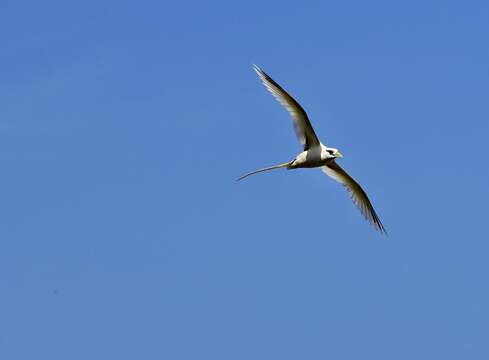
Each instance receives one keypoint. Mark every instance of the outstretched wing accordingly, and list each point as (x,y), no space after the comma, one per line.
(302,126)
(357,194)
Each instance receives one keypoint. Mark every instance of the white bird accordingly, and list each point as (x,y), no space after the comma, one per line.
(316,154)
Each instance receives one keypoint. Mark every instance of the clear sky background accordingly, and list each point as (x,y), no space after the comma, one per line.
(123,234)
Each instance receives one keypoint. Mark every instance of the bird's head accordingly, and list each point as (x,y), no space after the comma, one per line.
(335,152)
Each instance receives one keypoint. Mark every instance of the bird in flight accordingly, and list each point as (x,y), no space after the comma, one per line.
(315,154)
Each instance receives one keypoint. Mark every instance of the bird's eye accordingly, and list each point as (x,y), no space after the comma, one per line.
(331,152)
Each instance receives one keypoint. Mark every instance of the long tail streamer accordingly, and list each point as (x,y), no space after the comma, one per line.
(265,169)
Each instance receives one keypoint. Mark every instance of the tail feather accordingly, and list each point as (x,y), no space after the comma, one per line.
(265,169)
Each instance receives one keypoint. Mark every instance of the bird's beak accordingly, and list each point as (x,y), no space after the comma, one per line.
(338,154)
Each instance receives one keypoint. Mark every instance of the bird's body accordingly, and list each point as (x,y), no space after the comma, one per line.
(315,154)
(313,157)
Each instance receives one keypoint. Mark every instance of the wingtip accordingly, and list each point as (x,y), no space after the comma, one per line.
(257,69)
(380,227)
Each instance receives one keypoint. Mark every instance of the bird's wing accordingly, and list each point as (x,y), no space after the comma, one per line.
(357,194)
(302,126)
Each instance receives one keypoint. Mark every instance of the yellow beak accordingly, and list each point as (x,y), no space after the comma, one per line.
(338,154)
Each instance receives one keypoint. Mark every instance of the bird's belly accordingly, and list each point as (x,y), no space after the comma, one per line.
(309,159)
(315,163)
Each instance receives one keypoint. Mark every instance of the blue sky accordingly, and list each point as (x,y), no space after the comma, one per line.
(124,235)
